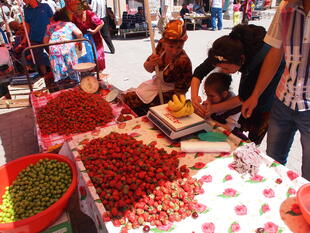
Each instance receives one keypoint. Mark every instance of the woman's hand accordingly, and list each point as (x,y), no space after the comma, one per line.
(248,106)
(91,31)
(199,109)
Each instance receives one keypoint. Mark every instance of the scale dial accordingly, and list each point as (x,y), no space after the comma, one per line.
(89,84)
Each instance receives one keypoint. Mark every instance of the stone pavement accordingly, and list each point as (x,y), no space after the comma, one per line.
(125,69)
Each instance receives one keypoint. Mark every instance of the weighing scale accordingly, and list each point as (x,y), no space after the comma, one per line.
(176,127)
(89,82)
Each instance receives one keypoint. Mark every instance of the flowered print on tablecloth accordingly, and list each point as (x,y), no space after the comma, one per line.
(230,202)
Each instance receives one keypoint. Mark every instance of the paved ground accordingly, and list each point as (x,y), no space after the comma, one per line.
(125,69)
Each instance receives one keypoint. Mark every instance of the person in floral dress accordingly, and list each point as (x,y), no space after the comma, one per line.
(89,23)
(62,57)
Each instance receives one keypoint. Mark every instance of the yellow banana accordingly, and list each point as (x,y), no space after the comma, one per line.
(191,107)
(175,99)
(187,109)
(182,98)
(171,105)
(179,113)
(177,104)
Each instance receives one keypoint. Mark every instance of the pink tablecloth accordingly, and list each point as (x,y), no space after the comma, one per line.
(47,142)
(230,202)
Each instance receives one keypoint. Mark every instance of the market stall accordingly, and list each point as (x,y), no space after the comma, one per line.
(196,19)
(228,201)
(49,142)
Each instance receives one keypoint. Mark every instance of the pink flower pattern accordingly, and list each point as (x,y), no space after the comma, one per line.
(265,208)
(269,193)
(291,192)
(292,175)
(235,227)
(270,227)
(257,178)
(230,166)
(227,178)
(241,210)
(208,227)
(200,207)
(229,192)
(166,227)
(199,165)
(206,178)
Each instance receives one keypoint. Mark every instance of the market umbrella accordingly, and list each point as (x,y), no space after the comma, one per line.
(158,73)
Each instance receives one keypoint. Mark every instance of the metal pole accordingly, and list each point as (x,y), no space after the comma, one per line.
(119,9)
(159,77)
(57,43)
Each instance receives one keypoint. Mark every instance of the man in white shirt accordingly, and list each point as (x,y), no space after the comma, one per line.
(216,13)
(289,36)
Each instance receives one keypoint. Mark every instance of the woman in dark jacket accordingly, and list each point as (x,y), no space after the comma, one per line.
(242,50)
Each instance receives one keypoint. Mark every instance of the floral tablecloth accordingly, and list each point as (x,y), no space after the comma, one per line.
(49,142)
(230,202)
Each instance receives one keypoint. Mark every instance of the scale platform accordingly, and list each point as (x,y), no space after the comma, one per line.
(176,127)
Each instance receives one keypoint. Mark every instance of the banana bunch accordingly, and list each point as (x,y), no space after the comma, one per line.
(180,107)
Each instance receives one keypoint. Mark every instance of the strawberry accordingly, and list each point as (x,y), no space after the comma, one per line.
(126,111)
(124,229)
(114,211)
(164,222)
(116,223)
(128,117)
(139,211)
(129,226)
(106,217)
(177,218)
(158,223)
(172,218)
(135,225)
(156,192)
(73,111)
(141,220)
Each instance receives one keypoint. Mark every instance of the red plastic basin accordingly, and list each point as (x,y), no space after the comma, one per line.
(303,199)
(38,222)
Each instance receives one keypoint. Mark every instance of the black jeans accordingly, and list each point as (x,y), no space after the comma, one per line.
(105,32)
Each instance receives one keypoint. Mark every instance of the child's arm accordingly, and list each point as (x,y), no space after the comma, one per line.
(224,106)
(151,62)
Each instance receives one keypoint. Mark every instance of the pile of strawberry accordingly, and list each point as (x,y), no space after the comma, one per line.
(72,112)
(139,183)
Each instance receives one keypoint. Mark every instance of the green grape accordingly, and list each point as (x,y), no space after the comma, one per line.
(36,188)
